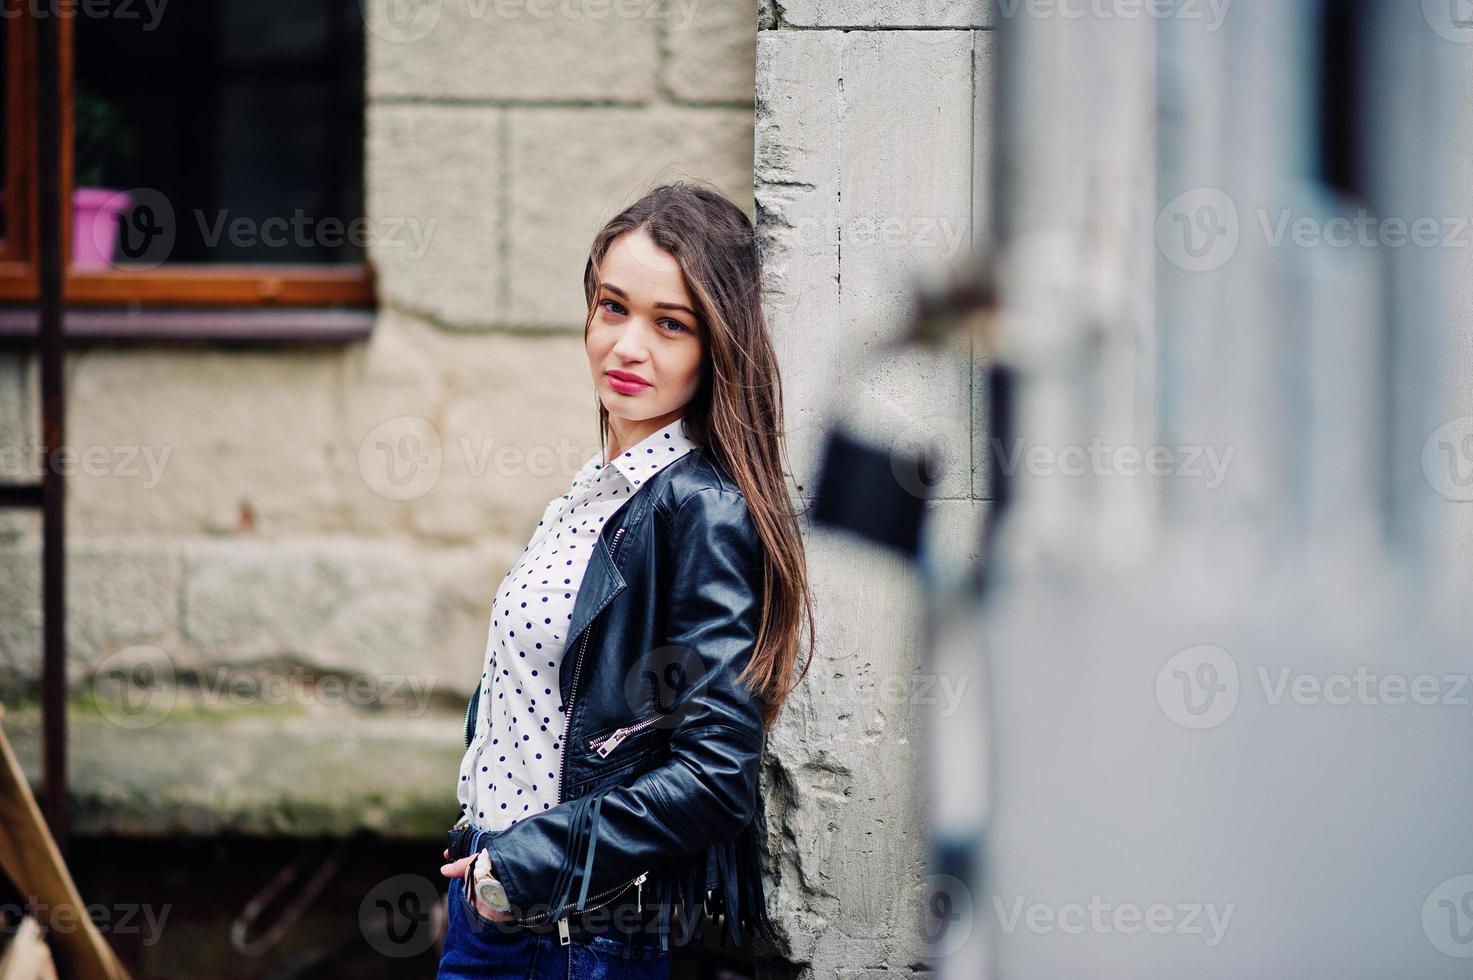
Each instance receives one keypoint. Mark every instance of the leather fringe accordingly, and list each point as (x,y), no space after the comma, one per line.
(724,884)
(563,884)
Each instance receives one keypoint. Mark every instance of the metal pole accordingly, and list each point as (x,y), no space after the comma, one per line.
(50,261)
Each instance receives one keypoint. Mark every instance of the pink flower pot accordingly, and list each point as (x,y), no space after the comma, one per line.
(95,213)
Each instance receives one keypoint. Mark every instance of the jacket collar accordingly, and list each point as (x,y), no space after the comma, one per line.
(640,464)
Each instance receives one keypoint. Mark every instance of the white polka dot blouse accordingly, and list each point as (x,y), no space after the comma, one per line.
(510,769)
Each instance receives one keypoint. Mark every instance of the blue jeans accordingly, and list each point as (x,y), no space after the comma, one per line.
(478,949)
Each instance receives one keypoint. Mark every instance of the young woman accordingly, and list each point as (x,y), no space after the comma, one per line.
(648,635)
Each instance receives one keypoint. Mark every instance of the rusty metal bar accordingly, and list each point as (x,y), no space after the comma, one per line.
(53,489)
(21,495)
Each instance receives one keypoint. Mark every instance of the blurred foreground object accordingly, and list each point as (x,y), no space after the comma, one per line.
(879,466)
(27,957)
(1226,665)
(29,858)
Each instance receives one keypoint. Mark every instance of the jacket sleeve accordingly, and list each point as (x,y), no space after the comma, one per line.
(706,791)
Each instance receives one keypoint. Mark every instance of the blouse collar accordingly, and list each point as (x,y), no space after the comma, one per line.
(644,459)
(654,452)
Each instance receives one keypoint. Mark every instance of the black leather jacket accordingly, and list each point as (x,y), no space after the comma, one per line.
(660,809)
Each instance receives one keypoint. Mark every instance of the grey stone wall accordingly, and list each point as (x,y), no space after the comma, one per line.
(872,124)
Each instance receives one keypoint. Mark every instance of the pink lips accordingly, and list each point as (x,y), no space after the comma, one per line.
(626,383)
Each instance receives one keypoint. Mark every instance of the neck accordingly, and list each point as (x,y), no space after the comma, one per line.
(624,433)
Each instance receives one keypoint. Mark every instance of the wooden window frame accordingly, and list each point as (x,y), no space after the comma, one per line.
(18,273)
(170,285)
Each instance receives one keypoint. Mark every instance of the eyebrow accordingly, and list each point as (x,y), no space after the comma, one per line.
(659,306)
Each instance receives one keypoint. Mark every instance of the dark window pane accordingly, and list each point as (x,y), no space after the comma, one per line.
(246,116)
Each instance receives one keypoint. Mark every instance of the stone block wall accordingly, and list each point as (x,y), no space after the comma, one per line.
(351,509)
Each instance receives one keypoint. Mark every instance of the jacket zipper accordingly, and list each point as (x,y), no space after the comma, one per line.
(564,936)
(469,735)
(577,671)
(608,896)
(611,741)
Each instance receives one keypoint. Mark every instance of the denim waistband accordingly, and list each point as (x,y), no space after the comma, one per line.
(468,839)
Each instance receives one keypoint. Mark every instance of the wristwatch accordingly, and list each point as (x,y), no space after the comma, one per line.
(487,888)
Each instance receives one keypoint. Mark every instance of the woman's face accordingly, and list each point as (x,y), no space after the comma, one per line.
(644,344)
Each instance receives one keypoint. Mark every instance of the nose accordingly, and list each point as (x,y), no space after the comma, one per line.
(633,342)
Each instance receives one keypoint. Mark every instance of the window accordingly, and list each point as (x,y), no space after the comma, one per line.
(213,151)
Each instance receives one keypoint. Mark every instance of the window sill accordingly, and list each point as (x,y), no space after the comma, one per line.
(19,326)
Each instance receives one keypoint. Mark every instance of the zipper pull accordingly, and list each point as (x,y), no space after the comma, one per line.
(563,936)
(639,892)
(612,742)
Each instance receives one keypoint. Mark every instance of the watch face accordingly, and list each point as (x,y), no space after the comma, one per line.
(492,894)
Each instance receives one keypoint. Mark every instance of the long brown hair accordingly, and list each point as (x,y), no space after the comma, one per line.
(736,414)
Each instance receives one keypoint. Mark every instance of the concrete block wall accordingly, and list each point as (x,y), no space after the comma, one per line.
(535,123)
(872,123)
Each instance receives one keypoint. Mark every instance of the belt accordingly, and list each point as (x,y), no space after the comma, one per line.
(604,921)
